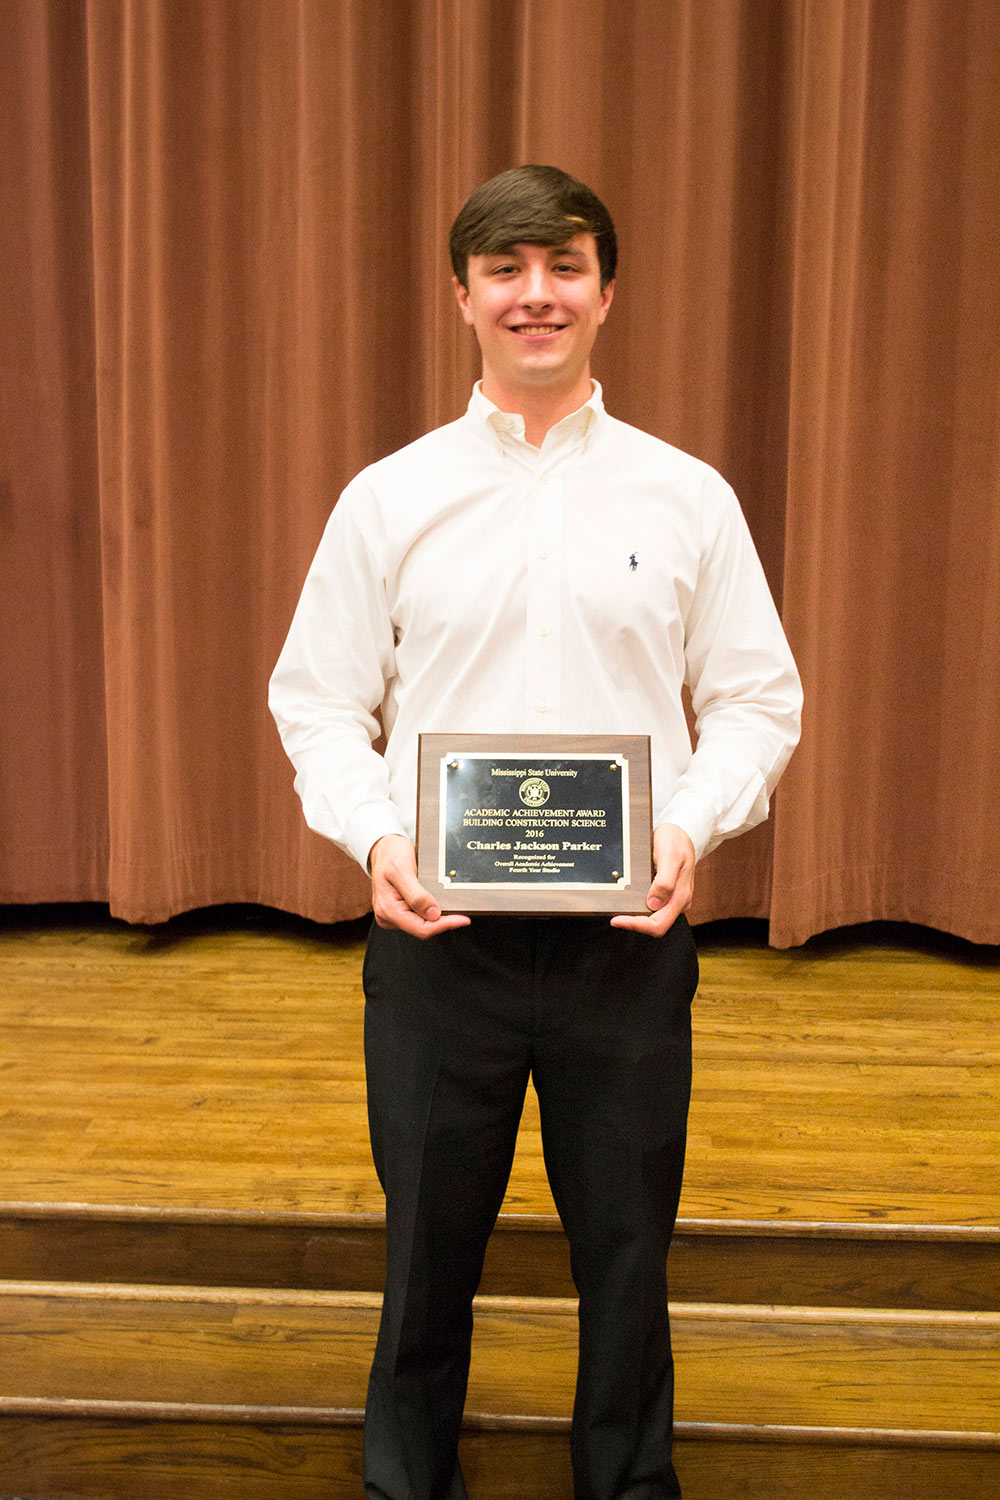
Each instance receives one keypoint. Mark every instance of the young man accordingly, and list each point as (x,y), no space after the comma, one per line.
(535,566)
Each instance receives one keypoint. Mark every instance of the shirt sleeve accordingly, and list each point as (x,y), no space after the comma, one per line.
(330,681)
(745,690)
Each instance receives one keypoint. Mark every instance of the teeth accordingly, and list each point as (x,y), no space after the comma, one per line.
(535,330)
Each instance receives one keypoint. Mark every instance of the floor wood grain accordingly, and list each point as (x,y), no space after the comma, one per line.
(215,1063)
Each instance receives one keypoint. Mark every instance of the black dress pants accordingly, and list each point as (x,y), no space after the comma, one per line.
(599,1019)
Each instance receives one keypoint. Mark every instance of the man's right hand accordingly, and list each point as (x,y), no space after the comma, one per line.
(398,898)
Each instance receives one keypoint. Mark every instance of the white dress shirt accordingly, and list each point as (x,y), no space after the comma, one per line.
(471,583)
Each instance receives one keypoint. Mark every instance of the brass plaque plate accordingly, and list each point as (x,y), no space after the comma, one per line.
(535,825)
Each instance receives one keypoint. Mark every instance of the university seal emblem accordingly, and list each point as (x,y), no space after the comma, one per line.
(534,792)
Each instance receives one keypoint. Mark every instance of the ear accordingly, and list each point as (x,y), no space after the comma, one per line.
(462,298)
(606,299)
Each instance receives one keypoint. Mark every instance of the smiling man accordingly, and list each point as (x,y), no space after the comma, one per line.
(534,567)
(536,310)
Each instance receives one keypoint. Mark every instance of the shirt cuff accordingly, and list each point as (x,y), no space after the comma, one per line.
(367,824)
(688,811)
(706,826)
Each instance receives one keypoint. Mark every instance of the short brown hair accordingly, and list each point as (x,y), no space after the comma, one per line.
(531,206)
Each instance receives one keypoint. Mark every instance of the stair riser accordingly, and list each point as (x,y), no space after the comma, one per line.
(807,1271)
(81,1459)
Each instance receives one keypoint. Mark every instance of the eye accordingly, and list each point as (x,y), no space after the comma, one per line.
(506,270)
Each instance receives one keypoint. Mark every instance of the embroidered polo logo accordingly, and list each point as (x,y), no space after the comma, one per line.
(633,562)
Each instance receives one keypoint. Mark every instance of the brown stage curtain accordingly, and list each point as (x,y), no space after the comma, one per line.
(225,289)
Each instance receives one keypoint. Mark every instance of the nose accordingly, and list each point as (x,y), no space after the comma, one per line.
(536,288)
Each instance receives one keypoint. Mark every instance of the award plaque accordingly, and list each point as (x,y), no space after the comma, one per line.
(535,825)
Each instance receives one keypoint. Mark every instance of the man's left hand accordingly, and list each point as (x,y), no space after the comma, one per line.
(673,883)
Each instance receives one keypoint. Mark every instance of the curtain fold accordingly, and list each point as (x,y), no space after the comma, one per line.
(892,522)
(53,750)
(224,246)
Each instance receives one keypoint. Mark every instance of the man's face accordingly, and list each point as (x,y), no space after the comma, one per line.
(536,310)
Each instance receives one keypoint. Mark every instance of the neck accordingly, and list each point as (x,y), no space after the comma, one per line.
(541,408)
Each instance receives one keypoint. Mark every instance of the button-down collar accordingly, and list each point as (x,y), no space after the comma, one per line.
(506,429)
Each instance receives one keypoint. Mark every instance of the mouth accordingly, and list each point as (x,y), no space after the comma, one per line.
(536,330)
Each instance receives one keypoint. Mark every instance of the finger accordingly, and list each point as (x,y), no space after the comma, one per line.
(653,926)
(404,920)
(392,909)
(666,883)
(411,893)
(395,885)
(663,914)
(404,904)
(417,902)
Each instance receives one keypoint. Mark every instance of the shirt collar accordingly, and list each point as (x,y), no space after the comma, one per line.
(505,428)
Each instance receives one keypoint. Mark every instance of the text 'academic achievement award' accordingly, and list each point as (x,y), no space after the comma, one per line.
(535,825)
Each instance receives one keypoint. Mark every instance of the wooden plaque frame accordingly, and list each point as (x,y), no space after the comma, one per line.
(544,896)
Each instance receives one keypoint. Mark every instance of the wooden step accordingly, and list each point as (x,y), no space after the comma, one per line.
(103,1458)
(800,1367)
(896,1266)
(187,1106)
(205,1387)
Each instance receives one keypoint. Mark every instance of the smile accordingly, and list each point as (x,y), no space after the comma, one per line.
(537,330)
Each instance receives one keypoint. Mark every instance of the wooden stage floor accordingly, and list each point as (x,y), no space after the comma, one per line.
(191,1242)
(215,1064)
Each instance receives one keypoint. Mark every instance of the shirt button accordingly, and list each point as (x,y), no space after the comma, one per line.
(541,708)
(543,555)
(544,630)
(545,479)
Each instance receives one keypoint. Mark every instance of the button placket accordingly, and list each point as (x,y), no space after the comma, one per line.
(543,666)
